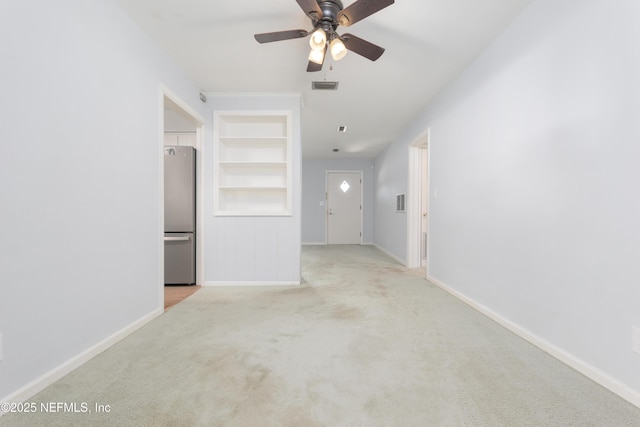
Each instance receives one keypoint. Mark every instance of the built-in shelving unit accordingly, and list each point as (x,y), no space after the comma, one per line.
(252,163)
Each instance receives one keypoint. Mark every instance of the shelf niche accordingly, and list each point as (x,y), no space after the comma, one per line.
(252,163)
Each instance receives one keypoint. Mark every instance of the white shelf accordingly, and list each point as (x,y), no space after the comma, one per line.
(256,124)
(252,163)
(253,201)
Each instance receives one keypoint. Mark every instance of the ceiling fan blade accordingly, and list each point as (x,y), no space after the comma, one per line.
(362,47)
(311,9)
(280,35)
(361,9)
(313,67)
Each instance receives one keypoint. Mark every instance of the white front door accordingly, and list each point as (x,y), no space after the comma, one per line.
(344,208)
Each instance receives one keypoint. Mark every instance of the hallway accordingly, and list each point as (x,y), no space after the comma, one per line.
(363,341)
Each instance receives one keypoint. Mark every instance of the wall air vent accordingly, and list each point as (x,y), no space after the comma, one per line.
(324,85)
(400,203)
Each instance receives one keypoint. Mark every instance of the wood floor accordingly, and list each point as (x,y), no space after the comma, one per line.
(175,294)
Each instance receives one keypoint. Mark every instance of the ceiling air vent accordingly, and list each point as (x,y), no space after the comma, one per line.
(324,85)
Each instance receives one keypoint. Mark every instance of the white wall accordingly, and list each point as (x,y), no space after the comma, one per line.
(175,122)
(313,191)
(391,179)
(246,248)
(80,181)
(534,153)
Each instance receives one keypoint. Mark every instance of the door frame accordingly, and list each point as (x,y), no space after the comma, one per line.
(199,123)
(415,190)
(326,202)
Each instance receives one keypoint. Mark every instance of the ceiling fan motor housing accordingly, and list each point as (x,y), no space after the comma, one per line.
(330,10)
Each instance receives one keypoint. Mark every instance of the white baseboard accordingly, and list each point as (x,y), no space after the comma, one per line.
(579,365)
(44,381)
(390,255)
(234,283)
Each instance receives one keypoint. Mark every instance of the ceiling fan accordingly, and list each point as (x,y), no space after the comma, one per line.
(326,16)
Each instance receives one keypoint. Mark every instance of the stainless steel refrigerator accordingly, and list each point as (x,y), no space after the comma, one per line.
(179,215)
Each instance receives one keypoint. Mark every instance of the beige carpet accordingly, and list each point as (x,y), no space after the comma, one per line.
(363,342)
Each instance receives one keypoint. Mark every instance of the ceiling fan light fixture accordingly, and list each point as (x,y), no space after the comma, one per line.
(316,56)
(338,49)
(326,16)
(318,39)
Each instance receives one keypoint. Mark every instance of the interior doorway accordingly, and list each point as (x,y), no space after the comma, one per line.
(418,204)
(181,125)
(344,207)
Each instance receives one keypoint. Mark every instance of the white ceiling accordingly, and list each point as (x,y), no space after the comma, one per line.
(427,42)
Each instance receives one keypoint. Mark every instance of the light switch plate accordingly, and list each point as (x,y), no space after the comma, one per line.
(636,339)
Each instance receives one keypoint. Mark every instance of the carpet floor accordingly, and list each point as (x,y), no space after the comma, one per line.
(362,342)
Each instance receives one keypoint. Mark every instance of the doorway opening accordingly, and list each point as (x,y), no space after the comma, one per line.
(418,204)
(344,207)
(181,126)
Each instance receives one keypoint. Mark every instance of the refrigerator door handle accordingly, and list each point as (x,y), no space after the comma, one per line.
(177,239)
